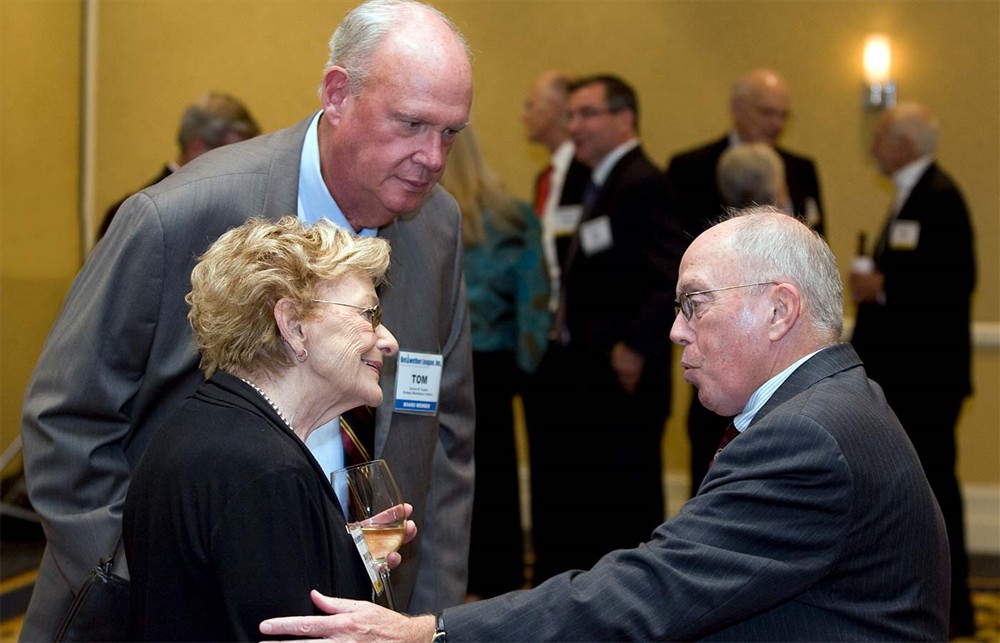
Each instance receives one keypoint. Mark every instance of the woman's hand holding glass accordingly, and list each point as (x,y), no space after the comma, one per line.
(376,509)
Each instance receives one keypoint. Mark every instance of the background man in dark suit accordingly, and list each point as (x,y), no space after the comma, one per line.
(815,523)
(759,106)
(214,120)
(120,357)
(922,358)
(559,186)
(596,417)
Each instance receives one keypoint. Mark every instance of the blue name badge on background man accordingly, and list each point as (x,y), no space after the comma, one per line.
(418,382)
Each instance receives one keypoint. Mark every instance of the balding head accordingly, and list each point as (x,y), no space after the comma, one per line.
(903,134)
(760,106)
(544,113)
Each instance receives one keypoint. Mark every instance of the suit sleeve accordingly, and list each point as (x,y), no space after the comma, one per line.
(444,541)
(659,243)
(770,519)
(76,421)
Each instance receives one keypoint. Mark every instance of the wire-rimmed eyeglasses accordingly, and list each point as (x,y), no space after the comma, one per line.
(687,307)
(373,314)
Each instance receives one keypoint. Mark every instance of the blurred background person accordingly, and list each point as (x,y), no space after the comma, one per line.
(759,109)
(214,120)
(229,519)
(508,308)
(921,357)
(602,396)
(752,174)
(558,194)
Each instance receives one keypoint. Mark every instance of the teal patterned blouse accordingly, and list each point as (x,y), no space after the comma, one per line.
(508,292)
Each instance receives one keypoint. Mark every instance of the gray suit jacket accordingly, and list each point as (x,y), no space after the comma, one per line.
(120,358)
(816,524)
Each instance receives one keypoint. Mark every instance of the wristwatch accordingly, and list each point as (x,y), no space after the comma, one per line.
(440,635)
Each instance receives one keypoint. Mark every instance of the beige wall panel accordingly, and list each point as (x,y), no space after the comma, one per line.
(39,175)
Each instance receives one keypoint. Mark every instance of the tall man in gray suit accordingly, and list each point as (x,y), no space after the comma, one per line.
(396,92)
(815,522)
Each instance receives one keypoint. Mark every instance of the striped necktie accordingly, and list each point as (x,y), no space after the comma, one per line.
(357,432)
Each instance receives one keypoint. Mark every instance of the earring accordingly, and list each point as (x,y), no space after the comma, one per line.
(303,357)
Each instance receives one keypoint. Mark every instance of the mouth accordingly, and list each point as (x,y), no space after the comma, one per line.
(376,366)
(415,185)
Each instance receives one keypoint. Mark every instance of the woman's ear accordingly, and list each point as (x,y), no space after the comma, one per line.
(286,315)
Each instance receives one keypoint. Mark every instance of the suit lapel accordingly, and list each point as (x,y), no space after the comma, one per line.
(827,362)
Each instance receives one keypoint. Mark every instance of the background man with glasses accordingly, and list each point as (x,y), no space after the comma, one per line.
(603,390)
(816,523)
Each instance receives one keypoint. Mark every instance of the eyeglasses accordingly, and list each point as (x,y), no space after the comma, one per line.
(373,314)
(687,307)
(587,113)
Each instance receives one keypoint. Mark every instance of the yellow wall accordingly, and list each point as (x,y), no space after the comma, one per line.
(682,56)
(39,174)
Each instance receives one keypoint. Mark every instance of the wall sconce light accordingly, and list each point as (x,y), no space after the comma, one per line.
(879,88)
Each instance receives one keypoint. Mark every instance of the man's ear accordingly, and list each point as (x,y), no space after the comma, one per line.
(336,93)
(786,302)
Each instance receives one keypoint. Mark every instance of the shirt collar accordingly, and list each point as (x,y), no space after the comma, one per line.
(562,157)
(314,199)
(764,393)
(907,176)
(603,169)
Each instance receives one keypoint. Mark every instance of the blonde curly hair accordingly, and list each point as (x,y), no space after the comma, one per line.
(245,272)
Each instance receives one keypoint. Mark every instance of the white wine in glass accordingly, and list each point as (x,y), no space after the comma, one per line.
(375,507)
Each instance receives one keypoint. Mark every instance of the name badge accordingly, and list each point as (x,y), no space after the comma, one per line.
(565,219)
(595,235)
(904,235)
(418,383)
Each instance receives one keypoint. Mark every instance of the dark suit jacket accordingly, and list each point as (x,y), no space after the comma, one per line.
(230,520)
(816,524)
(692,176)
(625,292)
(917,345)
(120,358)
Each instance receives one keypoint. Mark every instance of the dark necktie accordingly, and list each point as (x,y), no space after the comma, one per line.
(727,437)
(357,432)
(590,196)
(542,190)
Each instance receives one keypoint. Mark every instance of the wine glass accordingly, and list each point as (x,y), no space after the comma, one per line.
(375,517)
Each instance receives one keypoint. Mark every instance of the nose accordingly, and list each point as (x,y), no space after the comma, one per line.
(432,153)
(386,341)
(680,331)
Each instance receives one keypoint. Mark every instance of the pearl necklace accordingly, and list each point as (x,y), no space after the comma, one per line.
(268,400)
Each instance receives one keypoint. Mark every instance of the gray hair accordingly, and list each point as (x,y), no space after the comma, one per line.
(750,174)
(916,123)
(359,34)
(212,117)
(777,247)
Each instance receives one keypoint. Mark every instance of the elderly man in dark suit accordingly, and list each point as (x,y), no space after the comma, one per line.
(815,522)
(759,106)
(922,360)
(396,91)
(598,441)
